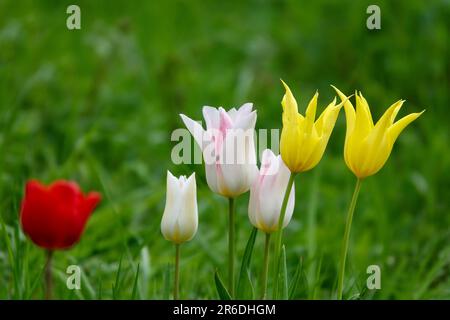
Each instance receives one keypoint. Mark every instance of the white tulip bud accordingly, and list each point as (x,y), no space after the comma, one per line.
(180,219)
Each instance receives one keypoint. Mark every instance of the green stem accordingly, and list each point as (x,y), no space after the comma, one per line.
(348,225)
(176,287)
(279,234)
(265,267)
(48,275)
(231,227)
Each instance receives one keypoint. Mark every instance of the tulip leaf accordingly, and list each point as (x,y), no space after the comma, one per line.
(221,290)
(244,279)
(282,276)
(295,281)
(252,288)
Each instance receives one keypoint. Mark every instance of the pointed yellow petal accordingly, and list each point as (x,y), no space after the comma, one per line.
(364,123)
(349,111)
(395,130)
(328,118)
(380,129)
(311,114)
(390,114)
(289,103)
(365,107)
(312,107)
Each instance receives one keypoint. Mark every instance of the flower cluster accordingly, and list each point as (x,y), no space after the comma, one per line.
(54,217)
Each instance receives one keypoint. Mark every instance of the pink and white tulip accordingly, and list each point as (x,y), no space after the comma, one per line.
(267,193)
(228,148)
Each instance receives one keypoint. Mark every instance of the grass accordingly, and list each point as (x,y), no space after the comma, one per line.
(98,106)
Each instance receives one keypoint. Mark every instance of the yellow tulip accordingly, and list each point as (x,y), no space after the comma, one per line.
(368,145)
(303,140)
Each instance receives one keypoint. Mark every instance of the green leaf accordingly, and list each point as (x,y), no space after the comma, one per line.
(244,281)
(317,280)
(282,276)
(135,284)
(35,283)
(221,290)
(116,284)
(252,288)
(100,289)
(296,280)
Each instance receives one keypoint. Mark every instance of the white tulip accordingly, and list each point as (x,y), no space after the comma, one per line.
(228,148)
(267,193)
(180,219)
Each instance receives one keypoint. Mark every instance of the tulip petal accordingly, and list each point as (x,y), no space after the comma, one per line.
(289,104)
(233,113)
(89,203)
(172,208)
(395,130)
(211,170)
(246,108)
(350,114)
(246,122)
(188,220)
(364,122)
(211,116)
(195,129)
(312,107)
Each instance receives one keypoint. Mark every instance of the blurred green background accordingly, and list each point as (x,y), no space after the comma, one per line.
(98,106)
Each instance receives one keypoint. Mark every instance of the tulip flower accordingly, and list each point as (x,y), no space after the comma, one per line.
(302,145)
(367,148)
(227,174)
(180,219)
(304,139)
(54,217)
(266,197)
(229,153)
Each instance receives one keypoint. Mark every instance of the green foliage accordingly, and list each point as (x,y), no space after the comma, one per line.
(98,105)
(221,290)
(244,286)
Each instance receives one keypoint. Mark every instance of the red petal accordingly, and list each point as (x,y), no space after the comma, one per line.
(54,217)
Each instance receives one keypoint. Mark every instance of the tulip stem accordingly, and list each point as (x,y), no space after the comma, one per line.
(279,234)
(231,227)
(265,267)
(348,225)
(48,275)
(176,287)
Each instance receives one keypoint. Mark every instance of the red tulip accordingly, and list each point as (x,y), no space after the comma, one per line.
(54,217)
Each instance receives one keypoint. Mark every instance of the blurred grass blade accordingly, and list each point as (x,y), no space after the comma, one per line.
(295,281)
(252,288)
(100,289)
(283,289)
(10,256)
(221,290)
(317,280)
(35,283)
(116,284)
(135,284)
(244,281)
(87,286)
